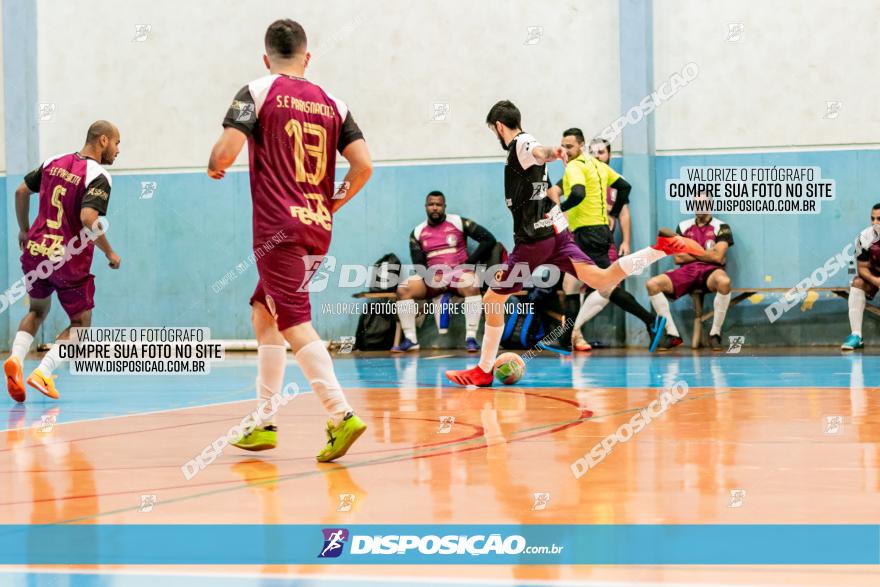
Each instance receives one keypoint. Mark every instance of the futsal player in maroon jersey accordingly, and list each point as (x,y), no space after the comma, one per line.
(293,129)
(57,249)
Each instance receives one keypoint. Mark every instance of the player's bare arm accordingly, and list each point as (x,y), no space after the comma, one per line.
(89,217)
(225,152)
(864,270)
(544,154)
(716,254)
(22,212)
(625,230)
(360,169)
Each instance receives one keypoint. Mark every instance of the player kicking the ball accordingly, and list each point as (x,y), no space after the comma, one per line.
(74,190)
(293,129)
(541,236)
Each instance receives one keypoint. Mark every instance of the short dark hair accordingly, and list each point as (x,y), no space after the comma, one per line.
(97,129)
(601,141)
(435,194)
(876,206)
(506,113)
(285,38)
(574,132)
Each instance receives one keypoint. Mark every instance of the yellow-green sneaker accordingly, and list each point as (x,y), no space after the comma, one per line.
(340,438)
(262,438)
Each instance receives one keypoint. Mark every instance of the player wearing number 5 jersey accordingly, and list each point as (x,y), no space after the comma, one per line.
(293,129)
(57,248)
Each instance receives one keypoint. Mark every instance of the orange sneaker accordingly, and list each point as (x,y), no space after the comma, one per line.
(472,376)
(579,344)
(671,244)
(43,384)
(14,379)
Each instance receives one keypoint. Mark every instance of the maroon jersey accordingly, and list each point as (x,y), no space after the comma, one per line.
(294,129)
(868,248)
(707,235)
(66,184)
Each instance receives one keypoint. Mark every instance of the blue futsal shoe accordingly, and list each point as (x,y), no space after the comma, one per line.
(405,346)
(852,342)
(657,332)
(471,345)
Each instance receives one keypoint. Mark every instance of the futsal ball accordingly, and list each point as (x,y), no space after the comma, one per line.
(509,368)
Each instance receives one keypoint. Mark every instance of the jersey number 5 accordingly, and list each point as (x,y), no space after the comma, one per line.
(57,193)
(300,148)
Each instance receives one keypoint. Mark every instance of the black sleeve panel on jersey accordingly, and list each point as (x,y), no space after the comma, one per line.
(33,179)
(623,188)
(864,256)
(559,184)
(724,235)
(415,251)
(577,195)
(97,195)
(349,134)
(242,114)
(486,239)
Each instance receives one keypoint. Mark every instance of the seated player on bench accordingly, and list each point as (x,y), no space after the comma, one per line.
(866,282)
(442,241)
(704,272)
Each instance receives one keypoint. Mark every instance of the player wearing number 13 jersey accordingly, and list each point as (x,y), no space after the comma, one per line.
(293,129)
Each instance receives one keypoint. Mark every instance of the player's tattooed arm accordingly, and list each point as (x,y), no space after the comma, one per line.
(544,154)
(360,169)
(89,217)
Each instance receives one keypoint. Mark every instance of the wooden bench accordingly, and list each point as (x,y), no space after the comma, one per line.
(744,293)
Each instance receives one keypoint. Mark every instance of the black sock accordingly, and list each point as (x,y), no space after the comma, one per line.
(570,308)
(628,303)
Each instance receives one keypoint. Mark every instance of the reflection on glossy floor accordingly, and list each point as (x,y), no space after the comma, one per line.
(767,439)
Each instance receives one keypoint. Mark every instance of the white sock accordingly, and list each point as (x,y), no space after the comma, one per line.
(51,361)
(21,344)
(661,306)
(591,306)
(270,374)
(721,303)
(635,263)
(406,312)
(473,309)
(489,350)
(856,309)
(317,366)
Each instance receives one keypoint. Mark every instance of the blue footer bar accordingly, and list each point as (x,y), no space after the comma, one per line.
(441,544)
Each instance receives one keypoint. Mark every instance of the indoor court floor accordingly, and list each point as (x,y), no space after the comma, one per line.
(770,438)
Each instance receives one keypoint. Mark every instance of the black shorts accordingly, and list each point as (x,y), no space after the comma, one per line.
(597,242)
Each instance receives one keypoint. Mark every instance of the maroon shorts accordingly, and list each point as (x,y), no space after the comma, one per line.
(870,290)
(75,295)
(285,272)
(445,284)
(690,276)
(559,250)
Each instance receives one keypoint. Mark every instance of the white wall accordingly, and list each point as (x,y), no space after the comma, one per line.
(389,59)
(770,88)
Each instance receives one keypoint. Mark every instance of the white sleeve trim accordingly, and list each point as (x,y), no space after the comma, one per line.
(455,220)
(341,107)
(525,144)
(259,88)
(93,170)
(417,231)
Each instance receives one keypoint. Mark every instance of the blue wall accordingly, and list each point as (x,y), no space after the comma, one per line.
(181,241)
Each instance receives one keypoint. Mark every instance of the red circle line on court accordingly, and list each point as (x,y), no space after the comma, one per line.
(479,432)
